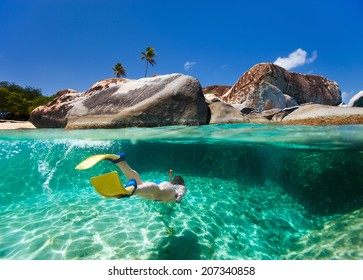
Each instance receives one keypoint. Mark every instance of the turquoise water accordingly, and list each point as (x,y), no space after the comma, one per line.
(254,192)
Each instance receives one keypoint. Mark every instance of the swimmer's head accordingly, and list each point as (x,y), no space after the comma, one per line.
(178,181)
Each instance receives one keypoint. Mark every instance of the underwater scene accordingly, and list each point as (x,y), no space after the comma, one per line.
(256,192)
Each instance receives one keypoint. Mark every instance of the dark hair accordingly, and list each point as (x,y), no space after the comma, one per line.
(178,180)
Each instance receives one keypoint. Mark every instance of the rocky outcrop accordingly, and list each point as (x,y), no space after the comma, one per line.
(211,98)
(317,114)
(216,90)
(65,91)
(338,239)
(163,100)
(327,181)
(54,114)
(265,97)
(266,86)
(290,102)
(222,113)
(357,100)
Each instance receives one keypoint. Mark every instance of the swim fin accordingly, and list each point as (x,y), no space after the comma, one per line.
(93,160)
(109,185)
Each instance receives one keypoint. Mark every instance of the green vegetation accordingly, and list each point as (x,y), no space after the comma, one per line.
(119,70)
(148,55)
(18,102)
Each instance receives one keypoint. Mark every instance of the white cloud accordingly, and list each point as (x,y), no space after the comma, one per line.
(189,64)
(312,58)
(296,59)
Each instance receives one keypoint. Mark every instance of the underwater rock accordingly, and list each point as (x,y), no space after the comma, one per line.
(357,100)
(339,239)
(326,182)
(264,84)
(317,114)
(173,99)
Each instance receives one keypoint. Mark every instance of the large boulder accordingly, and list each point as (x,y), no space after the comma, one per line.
(162,100)
(357,100)
(264,85)
(54,114)
(225,113)
(317,114)
(218,90)
(265,97)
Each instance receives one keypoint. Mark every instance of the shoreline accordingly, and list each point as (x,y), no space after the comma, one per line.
(14,125)
(10,125)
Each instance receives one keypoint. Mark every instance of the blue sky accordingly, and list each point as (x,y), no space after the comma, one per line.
(55,45)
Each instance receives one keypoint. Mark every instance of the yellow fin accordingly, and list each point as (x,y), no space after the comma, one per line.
(91,161)
(109,185)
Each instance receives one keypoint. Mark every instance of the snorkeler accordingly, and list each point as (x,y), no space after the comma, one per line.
(164,191)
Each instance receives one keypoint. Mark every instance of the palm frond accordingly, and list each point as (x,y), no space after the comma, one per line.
(119,70)
(149,55)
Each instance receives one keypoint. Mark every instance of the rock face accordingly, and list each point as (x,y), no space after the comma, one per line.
(357,100)
(65,91)
(54,114)
(216,90)
(263,88)
(163,100)
(225,113)
(317,114)
(338,239)
(327,182)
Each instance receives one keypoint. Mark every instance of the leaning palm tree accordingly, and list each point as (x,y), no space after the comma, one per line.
(119,70)
(149,55)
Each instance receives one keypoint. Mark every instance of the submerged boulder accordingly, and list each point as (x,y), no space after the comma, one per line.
(264,85)
(338,239)
(162,100)
(325,181)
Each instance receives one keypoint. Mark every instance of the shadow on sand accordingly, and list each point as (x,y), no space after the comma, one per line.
(184,247)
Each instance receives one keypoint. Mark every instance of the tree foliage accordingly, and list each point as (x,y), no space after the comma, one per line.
(20,101)
(119,70)
(149,56)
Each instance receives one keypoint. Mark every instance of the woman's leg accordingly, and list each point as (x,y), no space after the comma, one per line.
(129,173)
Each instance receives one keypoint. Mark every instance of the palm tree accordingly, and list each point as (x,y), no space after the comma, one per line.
(119,70)
(149,56)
